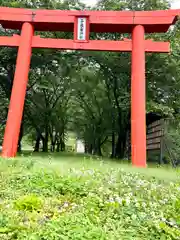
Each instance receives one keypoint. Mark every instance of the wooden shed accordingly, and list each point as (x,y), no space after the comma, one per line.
(158,147)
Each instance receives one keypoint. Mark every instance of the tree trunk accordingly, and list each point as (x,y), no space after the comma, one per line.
(58,147)
(113,136)
(124,126)
(53,144)
(122,141)
(37,144)
(113,154)
(97,148)
(121,145)
(88,148)
(20,137)
(45,140)
(45,145)
(62,144)
(19,146)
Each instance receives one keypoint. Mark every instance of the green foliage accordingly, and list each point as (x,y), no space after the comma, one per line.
(28,203)
(172,141)
(77,198)
(134,5)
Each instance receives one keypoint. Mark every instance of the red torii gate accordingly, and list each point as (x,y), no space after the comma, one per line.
(82,23)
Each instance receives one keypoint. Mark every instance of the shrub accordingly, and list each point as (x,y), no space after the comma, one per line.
(28,203)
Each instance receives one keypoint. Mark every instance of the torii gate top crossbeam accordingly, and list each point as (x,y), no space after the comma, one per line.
(100,21)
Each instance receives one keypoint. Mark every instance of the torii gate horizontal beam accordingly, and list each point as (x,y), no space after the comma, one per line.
(100,21)
(94,45)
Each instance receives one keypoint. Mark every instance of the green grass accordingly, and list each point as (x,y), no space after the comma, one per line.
(44,197)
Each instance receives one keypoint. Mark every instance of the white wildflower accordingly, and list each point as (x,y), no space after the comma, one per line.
(130,194)
(137,204)
(119,200)
(111,200)
(144,204)
(66,204)
(153,214)
(128,201)
(90,171)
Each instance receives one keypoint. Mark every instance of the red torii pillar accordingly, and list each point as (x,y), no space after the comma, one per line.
(100,22)
(18,93)
(138,98)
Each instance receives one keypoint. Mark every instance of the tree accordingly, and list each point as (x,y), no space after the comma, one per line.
(89,92)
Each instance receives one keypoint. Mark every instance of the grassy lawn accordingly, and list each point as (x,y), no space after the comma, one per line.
(44,197)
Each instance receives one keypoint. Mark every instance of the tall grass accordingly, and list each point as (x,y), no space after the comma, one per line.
(79,197)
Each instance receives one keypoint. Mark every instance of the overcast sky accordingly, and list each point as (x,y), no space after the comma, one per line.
(175,3)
